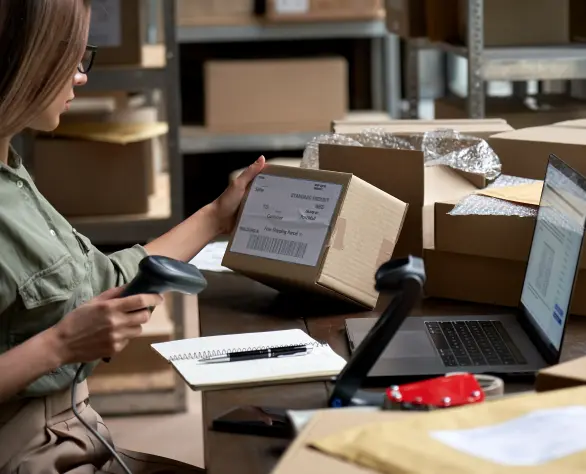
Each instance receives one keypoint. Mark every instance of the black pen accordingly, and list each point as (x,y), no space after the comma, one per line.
(268,353)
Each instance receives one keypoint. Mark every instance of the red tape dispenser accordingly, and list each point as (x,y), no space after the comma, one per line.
(441,392)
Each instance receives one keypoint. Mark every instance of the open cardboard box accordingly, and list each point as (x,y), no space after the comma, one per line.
(402,173)
(525,152)
(482,259)
(315,231)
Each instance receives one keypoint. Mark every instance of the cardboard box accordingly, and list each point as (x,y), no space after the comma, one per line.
(321,10)
(483,128)
(534,112)
(118,28)
(307,230)
(475,279)
(447,21)
(486,257)
(565,375)
(96,169)
(214,12)
(406,18)
(401,173)
(525,152)
(275,95)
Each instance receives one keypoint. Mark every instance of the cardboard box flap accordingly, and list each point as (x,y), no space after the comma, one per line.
(443,183)
(357,244)
(110,132)
(579,123)
(546,134)
(397,172)
(523,193)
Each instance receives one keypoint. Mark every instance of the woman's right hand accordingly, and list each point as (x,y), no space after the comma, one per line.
(103,326)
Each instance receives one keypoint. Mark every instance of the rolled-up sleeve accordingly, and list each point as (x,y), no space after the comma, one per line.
(116,269)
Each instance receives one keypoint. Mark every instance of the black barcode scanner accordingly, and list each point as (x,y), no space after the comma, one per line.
(156,275)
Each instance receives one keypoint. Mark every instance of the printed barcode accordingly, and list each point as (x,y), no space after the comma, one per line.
(276,246)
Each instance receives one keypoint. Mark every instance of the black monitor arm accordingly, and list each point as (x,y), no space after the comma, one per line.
(405,277)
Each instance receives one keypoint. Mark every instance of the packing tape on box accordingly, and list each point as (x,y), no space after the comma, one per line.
(491,386)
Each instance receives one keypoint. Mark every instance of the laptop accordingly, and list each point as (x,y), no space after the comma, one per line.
(507,344)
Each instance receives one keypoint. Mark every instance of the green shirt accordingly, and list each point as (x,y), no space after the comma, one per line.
(47,269)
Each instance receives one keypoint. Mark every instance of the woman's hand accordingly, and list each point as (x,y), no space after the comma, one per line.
(225,208)
(102,327)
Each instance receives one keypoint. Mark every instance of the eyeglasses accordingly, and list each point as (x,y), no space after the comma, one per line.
(88,59)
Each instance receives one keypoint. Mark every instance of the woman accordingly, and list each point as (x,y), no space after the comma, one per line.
(59,296)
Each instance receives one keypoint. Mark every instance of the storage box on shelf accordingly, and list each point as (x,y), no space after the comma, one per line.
(99,168)
(302,95)
(406,18)
(322,10)
(118,28)
(447,21)
(215,12)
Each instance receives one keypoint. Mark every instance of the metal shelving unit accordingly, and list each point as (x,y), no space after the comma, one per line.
(386,75)
(548,63)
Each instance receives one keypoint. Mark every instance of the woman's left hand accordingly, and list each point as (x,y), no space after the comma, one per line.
(225,208)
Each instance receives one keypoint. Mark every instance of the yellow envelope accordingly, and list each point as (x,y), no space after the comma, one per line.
(111,132)
(530,434)
(522,193)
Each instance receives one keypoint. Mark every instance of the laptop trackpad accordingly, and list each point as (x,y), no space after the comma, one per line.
(409,344)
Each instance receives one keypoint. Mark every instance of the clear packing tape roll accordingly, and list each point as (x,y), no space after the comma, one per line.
(439,147)
(476,204)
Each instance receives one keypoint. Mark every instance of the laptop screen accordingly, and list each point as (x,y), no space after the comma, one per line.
(555,252)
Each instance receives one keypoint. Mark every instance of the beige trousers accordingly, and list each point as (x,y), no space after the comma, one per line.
(43,436)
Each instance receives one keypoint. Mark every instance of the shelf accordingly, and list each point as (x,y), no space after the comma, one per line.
(528,63)
(103,230)
(198,140)
(282,31)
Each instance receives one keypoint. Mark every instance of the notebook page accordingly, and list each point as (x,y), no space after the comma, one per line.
(322,361)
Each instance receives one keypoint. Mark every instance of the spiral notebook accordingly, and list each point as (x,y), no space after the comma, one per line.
(321,364)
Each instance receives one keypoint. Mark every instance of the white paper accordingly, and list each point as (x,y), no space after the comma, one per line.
(292,6)
(210,257)
(106,24)
(286,219)
(530,440)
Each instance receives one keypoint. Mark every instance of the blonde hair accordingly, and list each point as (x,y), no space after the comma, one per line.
(41,44)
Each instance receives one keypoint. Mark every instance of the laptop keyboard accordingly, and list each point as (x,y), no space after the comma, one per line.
(474,343)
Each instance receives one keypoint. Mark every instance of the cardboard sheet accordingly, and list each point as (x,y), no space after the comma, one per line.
(524,193)
(531,433)
(116,133)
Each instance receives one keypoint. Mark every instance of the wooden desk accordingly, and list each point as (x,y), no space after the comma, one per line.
(234,304)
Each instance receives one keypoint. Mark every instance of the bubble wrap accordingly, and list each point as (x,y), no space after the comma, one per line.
(311,153)
(476,204)
(378,138)
(440,147)
(463,152)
